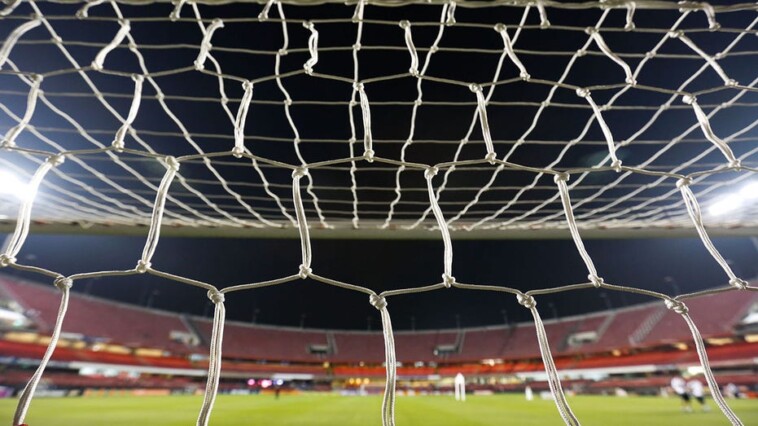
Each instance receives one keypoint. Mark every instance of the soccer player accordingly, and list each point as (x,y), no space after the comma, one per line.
(680,388)
(696,389)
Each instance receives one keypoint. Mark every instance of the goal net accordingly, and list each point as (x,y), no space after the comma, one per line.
(393,119)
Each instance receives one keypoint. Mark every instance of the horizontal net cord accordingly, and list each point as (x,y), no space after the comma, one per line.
(673,141)
(200,213)
(459,165)
(337,103)
(305,271)
(541,204)
(400,76)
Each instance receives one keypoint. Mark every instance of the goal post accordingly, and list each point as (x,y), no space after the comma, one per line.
(133,160)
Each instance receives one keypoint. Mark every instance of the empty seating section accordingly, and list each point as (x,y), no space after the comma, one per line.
(264,343)
(95,318)
(358,347)
(515,346)
(420,346)
(621,329)
(707,314)
(482,344)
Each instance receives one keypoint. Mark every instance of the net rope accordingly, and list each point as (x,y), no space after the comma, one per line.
(133,199)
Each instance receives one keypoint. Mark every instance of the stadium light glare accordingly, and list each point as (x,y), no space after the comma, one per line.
(10,184)
(750,191)
(726,204)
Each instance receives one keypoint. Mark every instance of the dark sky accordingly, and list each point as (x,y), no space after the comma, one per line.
(382,265)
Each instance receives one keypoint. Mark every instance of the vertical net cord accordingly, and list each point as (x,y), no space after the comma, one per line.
(368,139)
(21,231)
(447,276)
(481,105)
(287,112)
(615,162)
(25,398)
(214,359)
(312,48)
(99,61)
(118,140)
(681,309)
(447,18)
(693,208)
(388,401)
(705,126)
(302,223)
(631,7)
(508,47)
(358,20)
(560,180)
(153,235)
(595,34)
(205,45)
(13,37)
(239,121)
(31,105)
(554,381)
(12,247)
(406,26)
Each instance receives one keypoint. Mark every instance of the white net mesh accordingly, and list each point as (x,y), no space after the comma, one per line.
(437,117)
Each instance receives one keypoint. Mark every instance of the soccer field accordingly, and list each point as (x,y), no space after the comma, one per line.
(347,411)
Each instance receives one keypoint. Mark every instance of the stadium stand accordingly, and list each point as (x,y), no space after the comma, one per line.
(166,348)
(243,341)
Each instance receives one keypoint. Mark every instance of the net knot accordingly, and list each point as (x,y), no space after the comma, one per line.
(299,172)
(368,155)
(561,177)
(63,283)
(56,160)
(689,99)
(431,172)
(6,260)
(491,157)
(677,306)
(304,272)
(358,86)
(590,30)
(475,87)
(526,301)
(582,92)
(448,280)
(616,165)
(143,266)
(377,301)
(738,283)
(676,34)
(216,296)
(405,24)
(685,181)
(238,151)
(172,163)
(735,164)
(596,281)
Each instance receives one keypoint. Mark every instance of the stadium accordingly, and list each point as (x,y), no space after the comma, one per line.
(413,212)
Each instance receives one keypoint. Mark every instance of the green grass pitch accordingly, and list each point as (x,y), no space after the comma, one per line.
(334,410)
